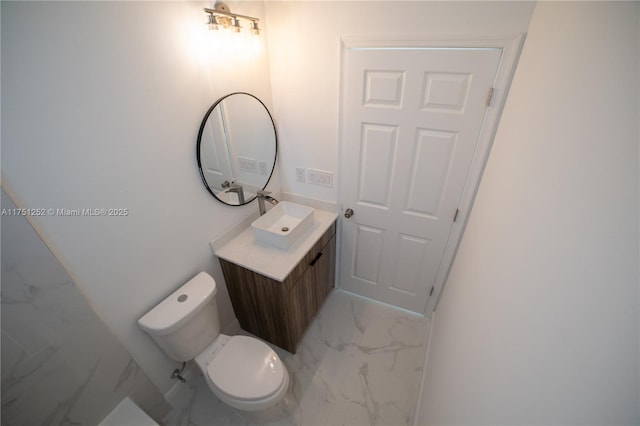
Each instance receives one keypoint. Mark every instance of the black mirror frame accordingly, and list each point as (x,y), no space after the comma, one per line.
(201,131)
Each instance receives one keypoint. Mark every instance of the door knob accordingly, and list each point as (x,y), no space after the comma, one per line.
(348,213)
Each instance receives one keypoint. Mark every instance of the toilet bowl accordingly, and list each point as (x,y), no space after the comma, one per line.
(241,371)
(244,372)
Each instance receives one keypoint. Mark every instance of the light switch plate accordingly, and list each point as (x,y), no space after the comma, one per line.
(320,177)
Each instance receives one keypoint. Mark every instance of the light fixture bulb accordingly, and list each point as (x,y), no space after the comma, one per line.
(213,22)
(236,25)
(254,28)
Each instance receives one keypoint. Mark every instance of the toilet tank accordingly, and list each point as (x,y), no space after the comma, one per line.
(187,321)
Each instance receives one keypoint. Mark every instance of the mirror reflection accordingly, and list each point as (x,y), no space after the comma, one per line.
(236,148)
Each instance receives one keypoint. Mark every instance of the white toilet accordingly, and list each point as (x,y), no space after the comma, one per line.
(241,371)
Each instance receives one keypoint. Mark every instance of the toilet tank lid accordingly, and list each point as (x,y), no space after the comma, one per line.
(180,306)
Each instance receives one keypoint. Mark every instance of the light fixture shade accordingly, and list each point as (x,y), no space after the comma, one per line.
(213,22)
(254,28)
(236,25)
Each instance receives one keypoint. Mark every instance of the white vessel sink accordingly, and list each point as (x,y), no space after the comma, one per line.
(283,225)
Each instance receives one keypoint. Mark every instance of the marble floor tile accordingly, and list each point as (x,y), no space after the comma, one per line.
(359,363)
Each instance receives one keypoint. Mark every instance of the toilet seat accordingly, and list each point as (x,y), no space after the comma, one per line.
(246,369)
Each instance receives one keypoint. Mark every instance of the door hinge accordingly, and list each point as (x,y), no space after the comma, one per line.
(489,96)
(455,216)
(431,292)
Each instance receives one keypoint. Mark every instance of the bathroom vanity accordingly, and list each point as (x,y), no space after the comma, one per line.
(276,293)
(280,269)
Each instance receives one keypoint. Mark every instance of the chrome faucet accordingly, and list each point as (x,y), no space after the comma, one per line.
(262,196)
(237,188)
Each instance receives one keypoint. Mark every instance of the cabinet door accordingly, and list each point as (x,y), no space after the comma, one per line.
(258,303)
(324,272)
(310,291)
(318,247)
(301,307)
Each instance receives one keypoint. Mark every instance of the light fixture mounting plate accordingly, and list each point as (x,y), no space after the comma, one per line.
(222,7)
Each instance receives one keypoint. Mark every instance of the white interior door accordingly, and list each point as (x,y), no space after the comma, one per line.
(411,120)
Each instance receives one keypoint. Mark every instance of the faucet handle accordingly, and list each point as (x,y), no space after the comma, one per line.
(263,193)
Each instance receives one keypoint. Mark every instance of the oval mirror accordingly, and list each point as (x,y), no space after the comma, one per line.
(237,148)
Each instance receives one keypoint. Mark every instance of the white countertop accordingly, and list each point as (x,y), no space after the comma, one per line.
(274,263)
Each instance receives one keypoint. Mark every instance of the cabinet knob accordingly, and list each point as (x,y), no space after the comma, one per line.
(348,213)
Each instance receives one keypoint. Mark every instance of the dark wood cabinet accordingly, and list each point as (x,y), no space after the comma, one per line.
(280,312)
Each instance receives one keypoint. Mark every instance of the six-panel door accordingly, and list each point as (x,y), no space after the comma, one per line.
(411,119)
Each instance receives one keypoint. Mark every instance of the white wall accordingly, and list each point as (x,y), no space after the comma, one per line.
(304,53)
(101,105)
(538,323)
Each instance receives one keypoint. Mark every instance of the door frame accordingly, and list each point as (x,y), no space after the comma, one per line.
(511,47)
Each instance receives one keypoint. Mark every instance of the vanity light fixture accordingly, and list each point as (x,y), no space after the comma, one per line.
(221,16)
